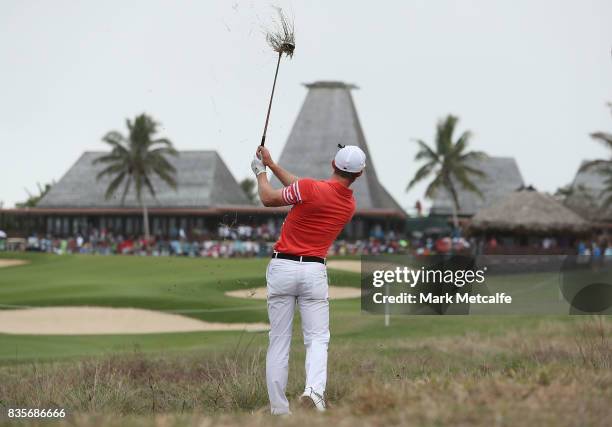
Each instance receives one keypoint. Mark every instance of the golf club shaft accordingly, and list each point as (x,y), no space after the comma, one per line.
(263,137)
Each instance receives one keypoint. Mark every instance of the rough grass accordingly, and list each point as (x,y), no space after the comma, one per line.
(557,374)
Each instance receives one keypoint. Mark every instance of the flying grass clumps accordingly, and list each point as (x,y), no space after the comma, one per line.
(283,39)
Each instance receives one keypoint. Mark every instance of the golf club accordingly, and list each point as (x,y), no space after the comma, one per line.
(282,41)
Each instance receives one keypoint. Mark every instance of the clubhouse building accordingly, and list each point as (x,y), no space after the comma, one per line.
(207,194)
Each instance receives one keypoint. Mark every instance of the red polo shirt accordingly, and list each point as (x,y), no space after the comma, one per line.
(320,211)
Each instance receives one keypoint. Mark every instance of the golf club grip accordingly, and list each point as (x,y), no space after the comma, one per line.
(263,140)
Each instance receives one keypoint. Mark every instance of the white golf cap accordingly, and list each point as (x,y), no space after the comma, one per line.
(350,159)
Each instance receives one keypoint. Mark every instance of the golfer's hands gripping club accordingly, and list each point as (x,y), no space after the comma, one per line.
(257,165)
(264,154)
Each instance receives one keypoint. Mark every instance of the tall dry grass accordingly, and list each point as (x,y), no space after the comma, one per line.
(557,375)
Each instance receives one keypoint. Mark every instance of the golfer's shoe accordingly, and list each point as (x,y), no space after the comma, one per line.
(312,400)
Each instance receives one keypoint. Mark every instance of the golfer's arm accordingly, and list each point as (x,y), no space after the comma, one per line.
(283,176)
(268,195)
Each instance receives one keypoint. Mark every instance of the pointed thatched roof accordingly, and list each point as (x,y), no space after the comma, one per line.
(203,181)
(586,196)
(529,211)
(502,178)
(328,117)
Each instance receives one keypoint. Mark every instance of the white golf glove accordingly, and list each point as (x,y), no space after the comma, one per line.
(257,166)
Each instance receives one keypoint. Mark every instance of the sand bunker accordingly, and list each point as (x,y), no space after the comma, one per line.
(102,321)
(335,292)
(12,262)
(353,266)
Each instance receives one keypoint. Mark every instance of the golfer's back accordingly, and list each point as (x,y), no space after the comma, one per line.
(320,212)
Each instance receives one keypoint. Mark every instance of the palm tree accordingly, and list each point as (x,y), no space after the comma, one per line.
(33,199)
(602,166)
(135,159)
(449,163)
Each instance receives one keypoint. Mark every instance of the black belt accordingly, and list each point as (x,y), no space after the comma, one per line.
(298,258)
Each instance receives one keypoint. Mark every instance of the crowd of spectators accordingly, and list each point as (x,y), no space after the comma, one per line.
(248,241)
(242,242)
(227,242)
(595,248)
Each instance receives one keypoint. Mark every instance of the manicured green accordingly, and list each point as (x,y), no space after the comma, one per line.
(194,287)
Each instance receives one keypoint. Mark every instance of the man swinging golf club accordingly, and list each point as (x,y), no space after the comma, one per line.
(297,271)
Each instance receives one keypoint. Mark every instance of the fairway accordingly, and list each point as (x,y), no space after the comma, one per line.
(190,287)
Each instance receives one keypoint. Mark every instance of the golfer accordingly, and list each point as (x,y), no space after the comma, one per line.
(297,272)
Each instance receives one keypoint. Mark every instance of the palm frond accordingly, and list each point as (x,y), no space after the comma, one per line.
(425,152)
(593,164)
(113,157)
(148,184)
(167,177)
(126,189)
(128,124)
(473,156)
(114,184)
(115,139)
(423,172)
(112,170)
(475,172)
(444,133)
(463,179)
(603,137)
(164,141)
(158,161)
(462,143)
(434,186)
(163,151)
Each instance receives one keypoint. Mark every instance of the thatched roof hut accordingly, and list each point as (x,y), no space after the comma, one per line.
(502,176)
(527,211)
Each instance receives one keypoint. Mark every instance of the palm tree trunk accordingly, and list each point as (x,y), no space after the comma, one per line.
(455,205)
(145,224)
(455,217)
(126,189)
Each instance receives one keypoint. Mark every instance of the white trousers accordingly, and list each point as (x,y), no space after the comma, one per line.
(305,283)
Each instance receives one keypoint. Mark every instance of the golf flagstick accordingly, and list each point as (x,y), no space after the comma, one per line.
(387,315)
(263,137)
